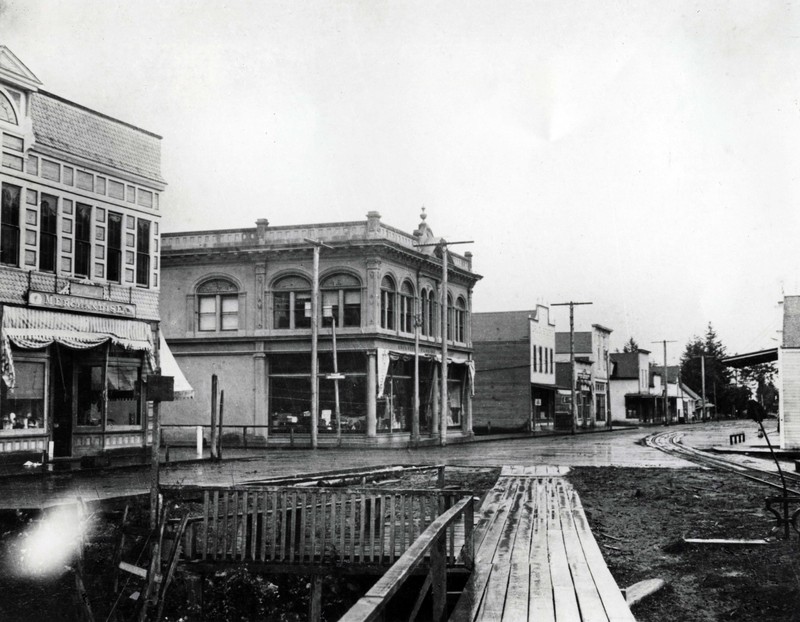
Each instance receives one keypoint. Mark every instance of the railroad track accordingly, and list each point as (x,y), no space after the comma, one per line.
(670,442)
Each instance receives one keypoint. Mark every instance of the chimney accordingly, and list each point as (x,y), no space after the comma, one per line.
(261,227)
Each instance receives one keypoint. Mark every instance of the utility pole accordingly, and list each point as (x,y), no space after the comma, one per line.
(702,358)
(666,382)
(314,339)
(571,304)
(442,246)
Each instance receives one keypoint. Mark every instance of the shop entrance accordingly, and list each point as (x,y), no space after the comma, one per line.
(62,403)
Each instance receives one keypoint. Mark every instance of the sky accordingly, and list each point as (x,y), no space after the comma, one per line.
(641,156)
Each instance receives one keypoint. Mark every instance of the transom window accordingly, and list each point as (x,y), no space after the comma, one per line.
(342,293)
(218,305)
(289,298)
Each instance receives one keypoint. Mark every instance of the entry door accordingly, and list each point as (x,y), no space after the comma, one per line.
(62,404)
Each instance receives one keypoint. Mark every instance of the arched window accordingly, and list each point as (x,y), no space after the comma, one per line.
(388,295)
(407,307)
(289,298)
(7,112)
(342,293)
(217,305)
(425,300)
(450,318)
(461,320)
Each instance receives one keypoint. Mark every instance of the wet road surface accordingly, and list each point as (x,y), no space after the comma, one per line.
(618,448)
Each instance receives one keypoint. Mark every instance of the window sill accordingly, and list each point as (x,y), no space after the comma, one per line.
(24,432)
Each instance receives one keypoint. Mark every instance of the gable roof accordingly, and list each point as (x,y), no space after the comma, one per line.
(71,128)
(13,70)
(625,365)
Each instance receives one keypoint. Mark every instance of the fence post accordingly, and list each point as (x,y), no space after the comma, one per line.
(469,543)
(439,577)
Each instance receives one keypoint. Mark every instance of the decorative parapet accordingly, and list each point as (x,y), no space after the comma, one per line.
(267,236)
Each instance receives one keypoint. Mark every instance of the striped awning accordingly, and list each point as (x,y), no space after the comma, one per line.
(35,328)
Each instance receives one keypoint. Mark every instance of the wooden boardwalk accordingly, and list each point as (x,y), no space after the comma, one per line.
(536,558)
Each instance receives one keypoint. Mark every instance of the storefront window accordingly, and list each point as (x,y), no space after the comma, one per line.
(23,406)
(455,394)
(90,395)
(123,398)
(395,409)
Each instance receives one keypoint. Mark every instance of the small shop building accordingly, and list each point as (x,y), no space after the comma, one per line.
(79,273)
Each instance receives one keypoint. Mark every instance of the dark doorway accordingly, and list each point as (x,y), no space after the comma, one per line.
(62,403)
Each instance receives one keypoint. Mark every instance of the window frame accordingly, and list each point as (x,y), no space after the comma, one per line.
(10,224)
(388,303)
(294,298)
(48,239)
(83,240)
(143,233)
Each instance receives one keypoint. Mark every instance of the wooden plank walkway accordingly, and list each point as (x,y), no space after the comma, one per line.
(536,558)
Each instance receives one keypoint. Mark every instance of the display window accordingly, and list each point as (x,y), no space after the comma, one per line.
(22,408)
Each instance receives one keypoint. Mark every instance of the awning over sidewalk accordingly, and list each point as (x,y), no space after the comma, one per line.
(169,367)
(35,328)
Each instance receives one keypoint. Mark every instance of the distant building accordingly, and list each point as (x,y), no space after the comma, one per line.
(515,361)
(237,303)
(79,272)
(591,372)
(789,375)
(630,398)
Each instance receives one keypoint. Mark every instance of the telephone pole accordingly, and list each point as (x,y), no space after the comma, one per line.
(666,382)
(442,246)
(314,314)
(571,304)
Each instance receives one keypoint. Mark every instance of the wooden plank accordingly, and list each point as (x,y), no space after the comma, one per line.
(363,524)
(494,528)
(323,504)
(353,523)
(614,602)
(243,521)
(224,526)
(382,528)
(291,524)
(313,509)
(540,601)
(518,593)
(392,528)
(204,542)
(402,523)
(372,518)
(589,601)
(302,508)
(342,526)
(566,602)
(215,535)
(273,519)
(254,526)
(284,527)
(233,520)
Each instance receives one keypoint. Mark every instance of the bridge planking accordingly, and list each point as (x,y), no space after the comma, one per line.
(536,558)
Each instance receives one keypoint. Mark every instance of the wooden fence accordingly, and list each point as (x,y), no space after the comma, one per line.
(322,526)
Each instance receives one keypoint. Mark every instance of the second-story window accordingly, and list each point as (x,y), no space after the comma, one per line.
(461,321)
(9,229)
(217,306)
(450,318)
(142,252)
(114,261)
(47,233)
(388,296)
(83,239)
(290,295)
(407,308)
(342,293)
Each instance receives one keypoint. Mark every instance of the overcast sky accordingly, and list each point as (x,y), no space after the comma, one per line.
(643,156)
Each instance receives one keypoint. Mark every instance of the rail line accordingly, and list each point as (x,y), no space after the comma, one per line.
(670,442)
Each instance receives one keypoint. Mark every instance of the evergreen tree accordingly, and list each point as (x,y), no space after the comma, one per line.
(630,345)
(725,396)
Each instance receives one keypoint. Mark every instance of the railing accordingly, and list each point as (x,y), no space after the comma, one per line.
(314,526)
(432,541)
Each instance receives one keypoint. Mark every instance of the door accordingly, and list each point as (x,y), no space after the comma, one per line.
(62,404)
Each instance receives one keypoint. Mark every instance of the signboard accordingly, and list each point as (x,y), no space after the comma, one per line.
(79,304)
(160,388)
(537,402)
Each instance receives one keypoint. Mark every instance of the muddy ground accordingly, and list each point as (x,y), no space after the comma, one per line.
(636,514)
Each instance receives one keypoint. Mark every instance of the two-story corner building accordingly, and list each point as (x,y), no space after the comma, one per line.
(515,362)
(79,273)
(236,304)
(591,376)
